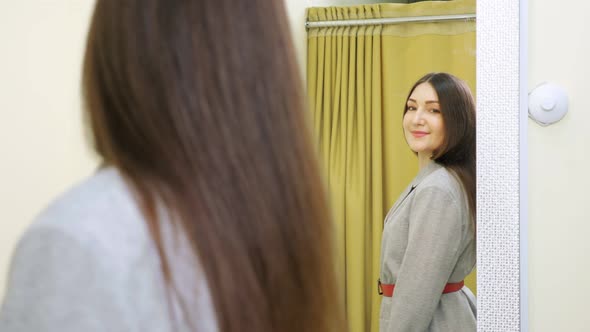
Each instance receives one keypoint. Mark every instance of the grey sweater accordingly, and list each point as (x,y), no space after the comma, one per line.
(428,241)
(88,264)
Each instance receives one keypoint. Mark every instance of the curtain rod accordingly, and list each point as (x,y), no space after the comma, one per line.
(393,20)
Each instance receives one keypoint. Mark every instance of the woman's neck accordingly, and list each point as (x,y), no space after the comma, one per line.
(424,160)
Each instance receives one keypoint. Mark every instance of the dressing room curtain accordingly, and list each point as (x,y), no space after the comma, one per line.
(357,79)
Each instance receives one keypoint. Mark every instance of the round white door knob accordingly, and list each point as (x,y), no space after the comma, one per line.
(547,103)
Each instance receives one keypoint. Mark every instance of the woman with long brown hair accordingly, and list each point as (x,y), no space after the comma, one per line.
(428,245)
(209,212)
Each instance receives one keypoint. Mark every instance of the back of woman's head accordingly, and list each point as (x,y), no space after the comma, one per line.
(199,104)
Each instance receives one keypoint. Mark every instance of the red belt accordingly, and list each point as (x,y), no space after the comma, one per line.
(387,289)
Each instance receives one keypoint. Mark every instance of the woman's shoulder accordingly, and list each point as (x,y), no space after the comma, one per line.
(444,181)
(99,211)
(88,255)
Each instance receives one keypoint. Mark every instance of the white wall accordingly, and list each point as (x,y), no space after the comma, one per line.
(559,178)
(41,142)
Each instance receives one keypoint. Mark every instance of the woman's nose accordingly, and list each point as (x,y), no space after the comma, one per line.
(418,117)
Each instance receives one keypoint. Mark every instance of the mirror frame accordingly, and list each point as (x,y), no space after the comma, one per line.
(502,99)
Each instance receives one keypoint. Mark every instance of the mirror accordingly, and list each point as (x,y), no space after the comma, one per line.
(332,80)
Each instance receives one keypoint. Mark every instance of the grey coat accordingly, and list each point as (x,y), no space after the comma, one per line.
(88,264)
(428,241)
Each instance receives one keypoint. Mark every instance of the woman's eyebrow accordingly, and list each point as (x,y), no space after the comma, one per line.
(427,102)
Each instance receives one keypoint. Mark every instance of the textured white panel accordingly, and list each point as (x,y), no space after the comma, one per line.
(498,244)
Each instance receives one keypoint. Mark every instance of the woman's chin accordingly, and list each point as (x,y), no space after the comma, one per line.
(417,148)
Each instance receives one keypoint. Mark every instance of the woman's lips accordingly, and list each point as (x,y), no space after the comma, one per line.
(419,134)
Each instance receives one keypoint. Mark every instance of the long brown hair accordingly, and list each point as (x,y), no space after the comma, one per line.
(457,152)
(199,104)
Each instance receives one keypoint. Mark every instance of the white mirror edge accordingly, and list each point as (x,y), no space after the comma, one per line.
(523,73)
(501,165)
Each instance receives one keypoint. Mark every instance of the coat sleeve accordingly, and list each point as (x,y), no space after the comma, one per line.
(434,238)
(56,283)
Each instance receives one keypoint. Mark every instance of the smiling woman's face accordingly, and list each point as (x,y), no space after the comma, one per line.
(423,123)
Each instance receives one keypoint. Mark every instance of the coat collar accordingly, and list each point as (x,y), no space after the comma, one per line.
(422,174)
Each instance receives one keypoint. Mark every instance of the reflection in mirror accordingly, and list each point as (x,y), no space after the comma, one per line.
(398,218)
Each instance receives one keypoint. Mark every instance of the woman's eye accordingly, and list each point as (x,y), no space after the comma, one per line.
(410,108)
(434,111)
